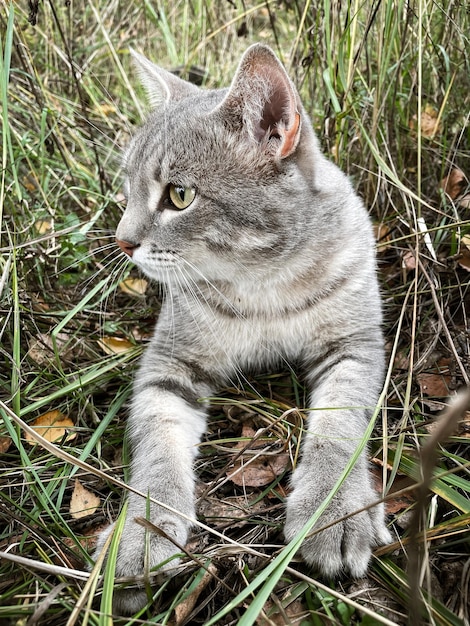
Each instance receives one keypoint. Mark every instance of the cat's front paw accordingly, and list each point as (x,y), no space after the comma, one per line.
(141,551)
(346,546)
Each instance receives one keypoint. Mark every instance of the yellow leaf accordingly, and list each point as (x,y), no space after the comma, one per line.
(134,286)
(83,502)
(430,123)
(106,109)
(30,182)
(53,426)
(115,345)
(43,226)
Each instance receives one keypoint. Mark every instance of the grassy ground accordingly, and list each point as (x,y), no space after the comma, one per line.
(387,84)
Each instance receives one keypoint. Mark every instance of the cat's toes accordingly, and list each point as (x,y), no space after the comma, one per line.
(343,548)
(140,552)
(129,601)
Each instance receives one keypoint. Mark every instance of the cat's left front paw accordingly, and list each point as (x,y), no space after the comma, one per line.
(346,546)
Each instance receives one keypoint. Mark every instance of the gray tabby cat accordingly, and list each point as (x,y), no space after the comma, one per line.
(267,256)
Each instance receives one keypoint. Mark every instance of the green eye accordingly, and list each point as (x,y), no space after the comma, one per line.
(181,197)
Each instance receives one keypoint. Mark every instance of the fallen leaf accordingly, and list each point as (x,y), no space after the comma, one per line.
(43,226)
(41,348)
(430,122)
(83,502)
(115,345)
(30,181)
(256,471)
(53,426)
(454,183)
(259,472)
(234,510)
(409,260)
(38,304)
(400,502)
(106,109)
(464,202)
(134,286)
(184,608)
(434,385)
(5,443)
(383,236)
(464,258)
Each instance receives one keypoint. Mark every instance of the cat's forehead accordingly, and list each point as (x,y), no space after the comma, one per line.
(172,135)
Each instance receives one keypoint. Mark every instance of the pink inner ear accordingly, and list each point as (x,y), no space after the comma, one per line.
(275,110)
(279,108)
(290,136)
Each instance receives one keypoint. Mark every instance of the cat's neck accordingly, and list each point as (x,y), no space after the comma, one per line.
(283,290)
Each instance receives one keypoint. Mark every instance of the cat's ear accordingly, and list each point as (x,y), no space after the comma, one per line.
(161,86)
(264,99)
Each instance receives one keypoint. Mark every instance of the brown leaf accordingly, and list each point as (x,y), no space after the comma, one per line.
(464,258)
(464,202)
(454,183)
(398,503)
(403,501)
(383,236)
(234,509)
(115,345)
(409,260)
(260,471)
(30,181)
(41,348)
(83,502)
(256,472)
(52,426)
(5,443)
(134,286)
(434,385)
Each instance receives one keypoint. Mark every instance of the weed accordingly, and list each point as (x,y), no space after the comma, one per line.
(387,85)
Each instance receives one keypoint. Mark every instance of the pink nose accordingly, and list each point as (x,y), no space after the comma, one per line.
(127,246)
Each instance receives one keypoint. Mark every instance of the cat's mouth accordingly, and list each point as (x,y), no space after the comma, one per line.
(157,266)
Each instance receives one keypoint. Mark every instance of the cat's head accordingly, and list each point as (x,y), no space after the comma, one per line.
(218,181)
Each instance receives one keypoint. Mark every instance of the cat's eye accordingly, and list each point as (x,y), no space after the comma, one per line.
(181,197)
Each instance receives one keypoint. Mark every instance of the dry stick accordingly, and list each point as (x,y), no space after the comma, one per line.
(446,425)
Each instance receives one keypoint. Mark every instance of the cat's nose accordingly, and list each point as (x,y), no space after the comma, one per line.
(127,246)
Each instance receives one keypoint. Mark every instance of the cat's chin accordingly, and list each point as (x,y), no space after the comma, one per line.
(161,275)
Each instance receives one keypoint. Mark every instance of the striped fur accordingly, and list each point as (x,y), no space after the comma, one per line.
(273,262)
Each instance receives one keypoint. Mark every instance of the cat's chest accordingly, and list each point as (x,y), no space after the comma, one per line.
(225,332)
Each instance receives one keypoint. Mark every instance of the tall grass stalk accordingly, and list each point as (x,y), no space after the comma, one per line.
(387,86)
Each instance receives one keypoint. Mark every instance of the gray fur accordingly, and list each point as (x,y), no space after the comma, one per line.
(273,261)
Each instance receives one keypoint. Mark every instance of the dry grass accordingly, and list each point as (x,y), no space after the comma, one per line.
(387,85)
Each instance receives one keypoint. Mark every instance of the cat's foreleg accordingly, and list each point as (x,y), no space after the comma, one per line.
(342,404)
(165,427)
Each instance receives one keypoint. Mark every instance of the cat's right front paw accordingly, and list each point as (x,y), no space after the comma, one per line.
(139,552)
